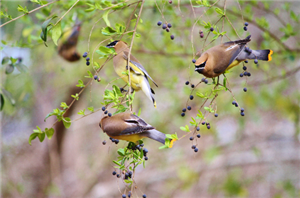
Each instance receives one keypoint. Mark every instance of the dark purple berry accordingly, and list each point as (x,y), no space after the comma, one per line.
(105,112)
(244,68)
(246,24)
(193,86)
(194,60)
(236,104)
(187,82)
(208,126)
(216,115)
(145,150)
(192,138)
(172,37)
(242,109)
(198,128)
(118,175)
(164,26)
(144,196)
(109,115)
(123,196)
(203,123)
(95,77)
(182,114)
(146,158)
(159,23)
(121,89)
(242,113)
(206,81)
(207,123)
(245,73)
(248,74)
(245,89)
(117,141)
(114,172)
(203,79)
(189,108)
(233,102)
(184,110)
(196,150)
(87,59)
(103,108)
(169,25)
(88,63)
(246,61)
(167,30)
(241,74)
(211,29)
(194,146)
(84,54)
(191,97)
(201,35)
(245,28)
(104,142)
(198,136)
(255,61)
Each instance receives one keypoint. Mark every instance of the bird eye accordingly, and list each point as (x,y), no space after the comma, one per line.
(203,64)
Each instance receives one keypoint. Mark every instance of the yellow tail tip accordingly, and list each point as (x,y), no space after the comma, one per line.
(269,56)
(154,103)
(171,143)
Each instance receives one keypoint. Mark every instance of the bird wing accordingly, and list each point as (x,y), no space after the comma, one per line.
(135,125)
(137,66)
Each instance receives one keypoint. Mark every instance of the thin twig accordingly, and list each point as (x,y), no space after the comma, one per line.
(27,13)
(66,12)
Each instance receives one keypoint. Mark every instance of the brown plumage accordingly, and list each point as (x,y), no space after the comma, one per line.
(220,58)
(126,126)
(68,43)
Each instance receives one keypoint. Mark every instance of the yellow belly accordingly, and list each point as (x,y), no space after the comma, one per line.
(234,63)
(134,78)
(130,138)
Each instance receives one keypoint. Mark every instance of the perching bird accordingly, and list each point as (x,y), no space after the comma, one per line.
(220,58)
(138,75)
(68,42)
(126,126)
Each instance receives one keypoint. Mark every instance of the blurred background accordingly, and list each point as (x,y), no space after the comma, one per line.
(257,155)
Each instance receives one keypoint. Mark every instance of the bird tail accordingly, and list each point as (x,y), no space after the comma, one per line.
(263,54)
(147,90)
(155,135)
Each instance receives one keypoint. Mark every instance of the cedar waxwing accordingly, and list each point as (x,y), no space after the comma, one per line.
(220,58)
(138,74)
(68,42)
(126,126)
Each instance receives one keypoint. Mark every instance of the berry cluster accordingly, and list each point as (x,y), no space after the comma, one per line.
(116,141)
(236,105)
(106,112)
(204,80)
(184,110)
(166,27)
(245,27)
(201,34)
(87,58)
(194,147)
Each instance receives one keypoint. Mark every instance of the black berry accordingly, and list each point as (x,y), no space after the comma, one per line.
(255,61)
(189,107)
(245,28)
(84,54)
(196,150)
(159,23)
(114,173)
(184,110)
(182,114)
(216,115)
(146,158)
(116,141)
(193,147)
(103,108)
(145,150)
(208,126)
(167,30)
(187,82)
(192,138)
(201,35)
(172,37)
(233,102)
(191,97)
(198,128)
(95,77)
(118,175)
(246,24)
(88,63)
(193,86)
(194,60)
(203,123)
(104,142)
(249,74)
(246,61)
(87,59)
(198,136)
(164,26)
(109,115)
(123,196)
(244,68)
(242,109)
(241,74)
(242,113)
(144,196)
(211,29)
(169,25)
(105,112)
(245,73)
(245,89)
(206,81)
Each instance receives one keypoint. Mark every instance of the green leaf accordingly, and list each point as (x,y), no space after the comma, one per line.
(67,122)
(1,101)
(44,28)
(80,84)
(41,136)
(219,11)
(91,8)
(121,152)
(5,59)
(114,161)
(108,31)
(9,96)
(64,105)
(32,137)
(21,67)
(186,128)
(105,17)
(21,9)
(140,111)
(81,112)
(91,109)
(49,133)
(90,75)
(56,33)
(9,68)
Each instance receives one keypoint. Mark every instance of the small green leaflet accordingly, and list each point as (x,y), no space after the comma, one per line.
(56,33)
